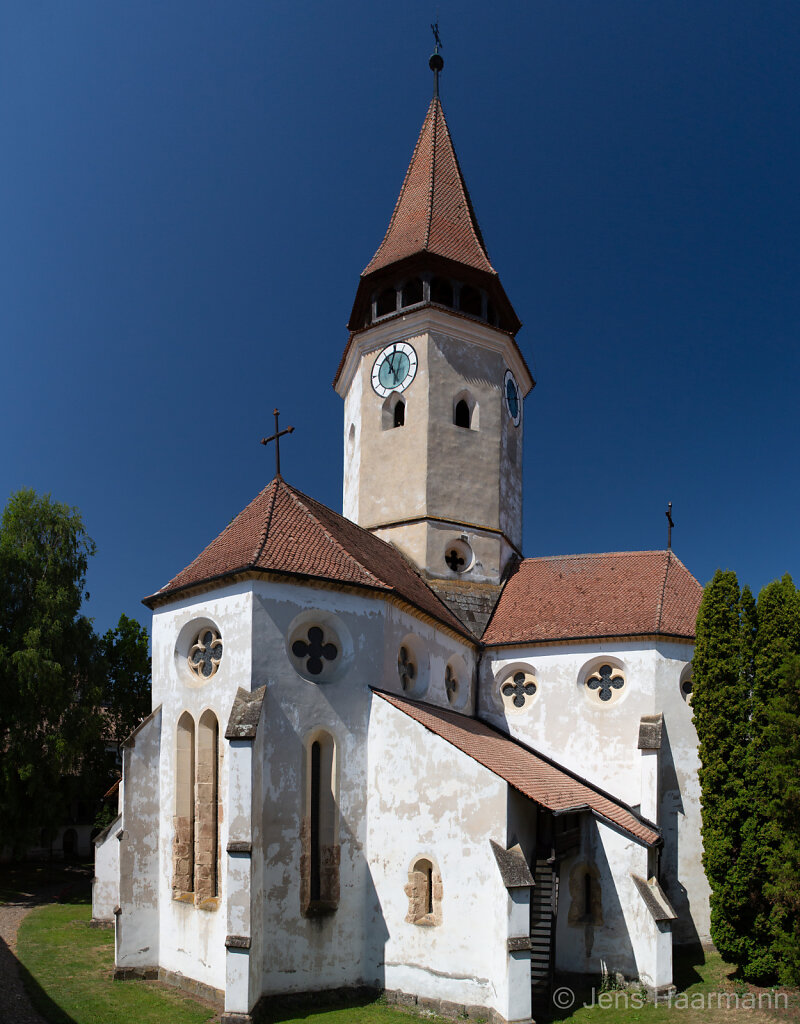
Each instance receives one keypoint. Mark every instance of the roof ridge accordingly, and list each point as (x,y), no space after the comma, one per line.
(277,481)
(592,554)
(477,234)
(296,497)
(402,188)
(660,603)
(436,106)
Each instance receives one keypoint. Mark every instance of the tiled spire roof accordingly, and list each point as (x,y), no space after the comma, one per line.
(579,597)
(434,212)
(285,532)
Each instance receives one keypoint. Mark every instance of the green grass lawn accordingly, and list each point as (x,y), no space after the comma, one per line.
(68,966)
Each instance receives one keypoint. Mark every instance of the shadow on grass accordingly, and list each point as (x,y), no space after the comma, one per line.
(276,1009)
(39,999)
(685,961)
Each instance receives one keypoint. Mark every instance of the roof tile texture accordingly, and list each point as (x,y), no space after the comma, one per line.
(623,593)
(284,531)
(433,212)
(540,780)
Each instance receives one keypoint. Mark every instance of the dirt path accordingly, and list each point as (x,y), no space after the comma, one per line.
(15,1007)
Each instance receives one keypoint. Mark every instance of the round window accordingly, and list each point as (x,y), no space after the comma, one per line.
(518,690)
(458,556)
(605,684)
(205,653)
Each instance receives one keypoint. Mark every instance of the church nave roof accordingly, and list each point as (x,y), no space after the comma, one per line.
(581,597)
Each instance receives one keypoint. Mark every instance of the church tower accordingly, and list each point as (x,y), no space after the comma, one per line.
(433,383)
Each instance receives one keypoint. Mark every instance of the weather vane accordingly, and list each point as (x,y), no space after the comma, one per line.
(668,514)
(276,437)
(436,63)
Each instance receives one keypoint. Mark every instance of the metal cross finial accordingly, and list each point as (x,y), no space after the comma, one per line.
(276,437)
(668,514)
(436,63)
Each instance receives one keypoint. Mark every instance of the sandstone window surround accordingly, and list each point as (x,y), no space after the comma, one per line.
(198,812)
(605,682)
(686,684)
(459,556)
(424,891)
(413,668)
(316,651)
(518,688)
(205,653)
(320,851)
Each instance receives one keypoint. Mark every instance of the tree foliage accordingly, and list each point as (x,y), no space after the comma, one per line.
(125,660)
(51,664)
(741,689)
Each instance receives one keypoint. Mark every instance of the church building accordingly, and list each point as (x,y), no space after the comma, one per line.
(387,750)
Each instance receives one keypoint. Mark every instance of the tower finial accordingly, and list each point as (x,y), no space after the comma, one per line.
(436,63)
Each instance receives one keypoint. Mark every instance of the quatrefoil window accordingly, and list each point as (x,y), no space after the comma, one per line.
(406,668)
(205,653)
(604,681)
(451,684)
(314,651)
(518,689)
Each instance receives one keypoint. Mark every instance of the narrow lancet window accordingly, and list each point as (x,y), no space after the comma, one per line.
(319,863)
(207,810)
(183,842)
(400,414)
(462,417)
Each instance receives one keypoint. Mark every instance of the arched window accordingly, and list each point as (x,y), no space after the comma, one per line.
(470,301)
(400,414)
(183,842)
(386,302)
(441,291)
(412,292)
(424,891)
(461,416)
(207,809)
(319,861)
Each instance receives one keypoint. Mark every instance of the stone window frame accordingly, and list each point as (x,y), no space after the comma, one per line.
(592,669)
(586,895)
(685,684)
(334,631)
(506,702)
(424,891)
(196,847)
(462,549)
(320,847)
(465,395)
(389,410)
(188,635)
(416,654)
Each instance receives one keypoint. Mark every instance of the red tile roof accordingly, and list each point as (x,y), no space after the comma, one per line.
(534,776)
(284,531)
(433,212)
(623,593)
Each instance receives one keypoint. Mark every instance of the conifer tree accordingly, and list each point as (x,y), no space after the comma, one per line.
(720,702)
(782,761)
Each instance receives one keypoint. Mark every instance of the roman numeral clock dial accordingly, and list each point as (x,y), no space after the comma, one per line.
(394,369)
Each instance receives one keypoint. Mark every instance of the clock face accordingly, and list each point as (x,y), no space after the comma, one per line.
(513,399)
(394,368)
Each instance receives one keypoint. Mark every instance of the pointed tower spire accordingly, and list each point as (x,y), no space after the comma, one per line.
(433,229)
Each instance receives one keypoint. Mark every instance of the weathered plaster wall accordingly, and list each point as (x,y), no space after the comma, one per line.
(620,935)
(193,937)
(600,741)
(429,800)
(431,467)
(137,929)
(105,886)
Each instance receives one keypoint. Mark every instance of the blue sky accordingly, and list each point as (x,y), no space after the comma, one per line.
(189,191)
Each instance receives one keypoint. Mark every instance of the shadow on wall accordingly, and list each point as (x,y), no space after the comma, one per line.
(672,810)
(592,934)
(343,930)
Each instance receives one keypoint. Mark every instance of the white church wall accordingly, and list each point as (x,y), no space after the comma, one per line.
(619,935)
(681,868)
(600,742)
(137,933)
(193,937)
(332,950)
(430,801)
(105,885)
